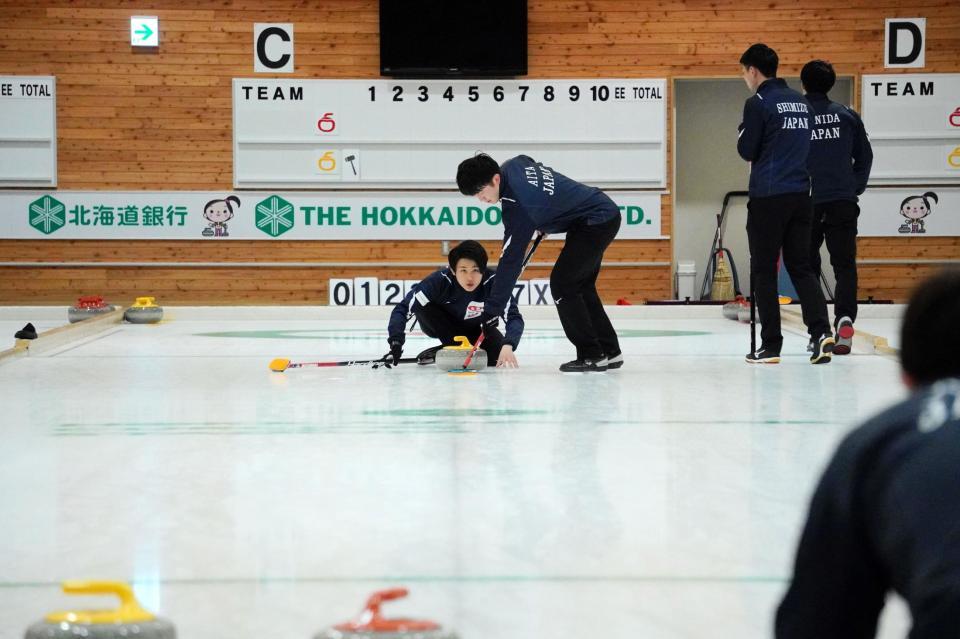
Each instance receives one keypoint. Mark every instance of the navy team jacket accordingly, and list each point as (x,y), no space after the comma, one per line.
(885,516)
(441,288)
(775,138)
(534,198)
(840,153)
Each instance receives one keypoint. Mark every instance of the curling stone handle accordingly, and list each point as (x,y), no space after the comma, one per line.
(377,598)
(129,610)
(371,621)
(118,588)
(463,342)
(391,593)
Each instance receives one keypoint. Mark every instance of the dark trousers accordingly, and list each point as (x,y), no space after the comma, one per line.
(439,324)
(775,223)
(837,223)
(573,284)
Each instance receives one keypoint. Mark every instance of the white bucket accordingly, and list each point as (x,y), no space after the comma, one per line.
(686,280)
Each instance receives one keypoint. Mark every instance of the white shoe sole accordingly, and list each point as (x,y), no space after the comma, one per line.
(826,352)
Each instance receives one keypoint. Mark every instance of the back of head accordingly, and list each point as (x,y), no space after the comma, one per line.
(929,336)
(475,173)
(762,58)
(818,76)
(471,250)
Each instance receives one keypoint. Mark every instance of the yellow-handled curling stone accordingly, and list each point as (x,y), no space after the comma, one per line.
(144,310)
(129,620)
(451,358)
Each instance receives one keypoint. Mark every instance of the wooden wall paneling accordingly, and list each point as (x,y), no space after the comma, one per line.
(290,251)
(217,285)
(145,121)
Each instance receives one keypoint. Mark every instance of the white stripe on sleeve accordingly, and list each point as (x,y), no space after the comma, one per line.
(503,251)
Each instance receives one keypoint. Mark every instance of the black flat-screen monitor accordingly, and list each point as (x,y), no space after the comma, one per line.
(453,38)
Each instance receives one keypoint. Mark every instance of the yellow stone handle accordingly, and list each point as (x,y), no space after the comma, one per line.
(463,344)
(141,302)
(130,610)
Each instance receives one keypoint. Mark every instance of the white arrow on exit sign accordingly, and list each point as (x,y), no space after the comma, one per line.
(144,31)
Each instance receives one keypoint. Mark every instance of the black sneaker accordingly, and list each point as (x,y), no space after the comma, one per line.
(763,356)
(429,356)
(614,361)
(27,332)
(844,336)
(822,350)
(585,366)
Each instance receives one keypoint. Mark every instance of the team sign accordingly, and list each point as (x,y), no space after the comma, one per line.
(264,216)
(913,121)
(412,134)
(471,93)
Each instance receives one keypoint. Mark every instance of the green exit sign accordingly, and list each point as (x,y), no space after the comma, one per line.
(144,31)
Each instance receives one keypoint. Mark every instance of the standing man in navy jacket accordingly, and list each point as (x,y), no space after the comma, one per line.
(775,138)
(535,198)
(839,164)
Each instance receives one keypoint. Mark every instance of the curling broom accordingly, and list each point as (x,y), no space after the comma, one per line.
(279,365)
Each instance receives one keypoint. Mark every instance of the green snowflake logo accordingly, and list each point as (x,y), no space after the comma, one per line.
(274,216)
(47,214)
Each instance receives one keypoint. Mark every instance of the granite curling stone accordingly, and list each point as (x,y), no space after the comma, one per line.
(372,625)
(731,310)
(450,358)
(129,620)
(144,310)
(88,306)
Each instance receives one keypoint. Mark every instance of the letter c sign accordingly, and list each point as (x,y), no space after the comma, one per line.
(272,48)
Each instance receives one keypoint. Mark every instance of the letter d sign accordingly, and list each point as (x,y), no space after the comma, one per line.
(905,44)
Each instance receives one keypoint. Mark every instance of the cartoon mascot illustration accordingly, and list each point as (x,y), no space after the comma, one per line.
(218,213)
(914,209)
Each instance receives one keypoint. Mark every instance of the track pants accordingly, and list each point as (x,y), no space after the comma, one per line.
(573,284)
(836,222)
(783,222)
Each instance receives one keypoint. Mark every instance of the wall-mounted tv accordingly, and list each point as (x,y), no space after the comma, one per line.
(453,38)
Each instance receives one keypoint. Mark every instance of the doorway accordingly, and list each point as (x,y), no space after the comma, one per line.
(707,166)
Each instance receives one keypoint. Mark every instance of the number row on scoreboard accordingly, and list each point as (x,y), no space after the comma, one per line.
(372,291)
